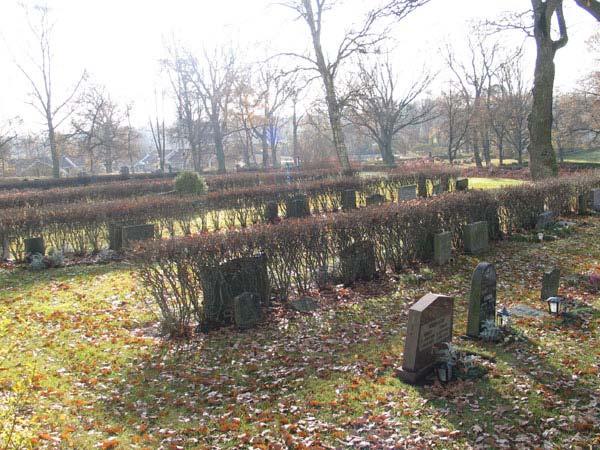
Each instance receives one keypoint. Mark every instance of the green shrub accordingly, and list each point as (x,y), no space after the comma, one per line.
(190,183)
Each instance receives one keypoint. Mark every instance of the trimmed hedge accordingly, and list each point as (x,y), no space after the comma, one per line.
(298,250)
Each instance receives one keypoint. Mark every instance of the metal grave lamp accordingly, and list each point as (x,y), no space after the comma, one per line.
(503,318)
(555,305)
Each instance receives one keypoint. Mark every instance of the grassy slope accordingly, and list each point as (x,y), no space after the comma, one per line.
(583,156)
(77,343)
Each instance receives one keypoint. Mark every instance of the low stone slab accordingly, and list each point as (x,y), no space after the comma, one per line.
(442,247)
(526,311)
(545,220)
(136,233)
(429,325)
(35,245)
(406,193)
(304,304)
(246,310)
(476,237)
(550,284)
(375,199)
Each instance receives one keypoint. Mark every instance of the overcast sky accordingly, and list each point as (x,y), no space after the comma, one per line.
(119,42)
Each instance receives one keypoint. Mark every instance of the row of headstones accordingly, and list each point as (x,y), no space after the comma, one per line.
(430,320)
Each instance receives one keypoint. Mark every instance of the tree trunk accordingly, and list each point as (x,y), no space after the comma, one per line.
(274,156)
(477,155)
(295,144)
(265,149)
(53,149)
(335,120)
(219,149)
(542,159)
(387,154)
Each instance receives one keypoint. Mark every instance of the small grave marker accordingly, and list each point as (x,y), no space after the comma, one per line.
(297,207)
(271,212)
(134,233)
(407,192)
(357,262)
(35,245)
(246,310)
(442,247)
(476,237)
(348,199)
(550,283)
(482,301)
(429,325)
(375,199)
(545,220)
(462,184)
(595,199)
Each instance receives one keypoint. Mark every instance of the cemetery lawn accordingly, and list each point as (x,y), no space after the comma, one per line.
(82,367)
(583,156)
(493,183)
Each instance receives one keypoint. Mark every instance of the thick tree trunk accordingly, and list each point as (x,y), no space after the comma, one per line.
(387,153)
(274,156)
(220,151)
(265,149)
(542,159)
(477,155)
(335,120)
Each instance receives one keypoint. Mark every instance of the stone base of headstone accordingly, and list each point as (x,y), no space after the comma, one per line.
(271,212)
(595,199)
(136,233)
(297,207)
(375,199)
(476,237)
(357,262)
(407,192)
(348,199)
(35,245)
(247,311)
(545,220)
(462,184)
(220,285)
(442,247)
(415,377)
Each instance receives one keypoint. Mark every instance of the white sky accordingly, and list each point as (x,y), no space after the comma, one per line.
(119,42)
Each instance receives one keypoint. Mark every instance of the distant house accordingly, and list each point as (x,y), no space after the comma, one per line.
(42,167)
(176,159)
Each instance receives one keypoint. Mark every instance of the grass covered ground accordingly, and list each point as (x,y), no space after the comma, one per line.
(81,365)
(583,156)
(492,183)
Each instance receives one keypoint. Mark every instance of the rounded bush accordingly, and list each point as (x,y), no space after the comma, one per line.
(190,183)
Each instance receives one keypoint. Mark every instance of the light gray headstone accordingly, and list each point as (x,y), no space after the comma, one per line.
(407,192)
(595,199)
(482,300)
(476,237)
(429,325)
(550,283)
(545,220)
(442,247)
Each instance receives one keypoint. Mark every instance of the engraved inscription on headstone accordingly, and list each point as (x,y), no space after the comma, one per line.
(429,325)
(482,302)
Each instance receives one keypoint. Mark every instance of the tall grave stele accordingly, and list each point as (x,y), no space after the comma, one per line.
(550,283)
(429,325)
(482,301)
(476,237)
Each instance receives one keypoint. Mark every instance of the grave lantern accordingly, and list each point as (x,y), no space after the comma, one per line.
(503,318)
(554,305)
(540,237)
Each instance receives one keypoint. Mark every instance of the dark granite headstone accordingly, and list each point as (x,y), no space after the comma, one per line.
(482,301)
(375,199)
(550,284)
(422,186)
(115,236)
(545,220)
(429,325)
(442,247)
(595,199)
(407,192)
(462,184)
(271,212)
(476,237)
(135,233)
(348,199)
(35,245)
(357,262)
(125,171)
(583,202)
(246,310)
(297,207)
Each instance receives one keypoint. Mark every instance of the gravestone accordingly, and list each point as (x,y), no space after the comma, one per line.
(462,184)
(429,325)
(550,284)
(304,304)
(357,262)
(348,199)
(221,284)
(375,199)
(297,207)
(482,301)
(135,233)
(437,188)
(583,202)
(407,192)
(246,310)
(476,237)
(115,236)
(442,247)
(545,220)
(271,212)
(35,245)
(595,199)
(5,248)
(526,311)
(125,171)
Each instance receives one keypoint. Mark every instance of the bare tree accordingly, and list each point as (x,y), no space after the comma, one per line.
(7,136)
(455,114)
(130,138)
(86,122)
(382,111)
(357,41)
(214,79)
(42,83)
